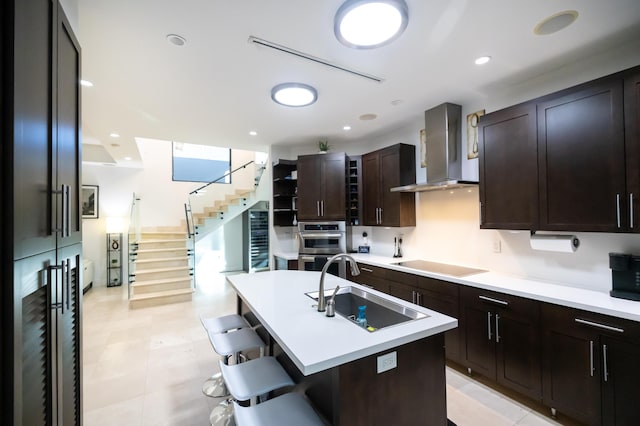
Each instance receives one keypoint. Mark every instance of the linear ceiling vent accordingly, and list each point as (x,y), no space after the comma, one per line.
(308,57)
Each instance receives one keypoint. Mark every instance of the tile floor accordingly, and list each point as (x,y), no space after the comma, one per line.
(147,366)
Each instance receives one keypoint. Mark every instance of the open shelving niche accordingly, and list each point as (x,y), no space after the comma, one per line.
(284,192)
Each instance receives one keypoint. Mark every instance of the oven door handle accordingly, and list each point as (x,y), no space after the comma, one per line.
(306,235)
(308,258)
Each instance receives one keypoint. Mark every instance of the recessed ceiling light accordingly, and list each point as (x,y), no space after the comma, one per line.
(86,83)
(114,135)
(176,39)
(367,117)
(366,24)
(556,22)
(253,133)
(483,60)
(294,94)
(346,128)
(127,159)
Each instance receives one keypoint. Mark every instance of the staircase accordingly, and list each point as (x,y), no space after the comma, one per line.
(219,211)
(161,272)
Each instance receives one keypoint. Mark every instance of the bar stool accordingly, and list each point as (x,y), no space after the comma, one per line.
(230,345)
(250,380)
(214,386)
(290,409)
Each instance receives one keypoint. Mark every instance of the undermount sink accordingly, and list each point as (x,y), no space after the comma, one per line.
(381,312)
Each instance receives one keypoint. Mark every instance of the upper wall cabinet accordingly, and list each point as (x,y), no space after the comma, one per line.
(382,170)
(321,186)
(581,160)
(508,169)
(569,161)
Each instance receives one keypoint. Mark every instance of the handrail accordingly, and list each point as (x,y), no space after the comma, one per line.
(195,191)
(191,232)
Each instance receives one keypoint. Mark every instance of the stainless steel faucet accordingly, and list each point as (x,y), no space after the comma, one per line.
(322,303)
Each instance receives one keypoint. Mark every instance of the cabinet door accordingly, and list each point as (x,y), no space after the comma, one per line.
(67,135)
(571,366)
(370,276)
(404,292)
(477,335)
(333,185)
(621,381)
(632,147)
(518,352)
(69,332)
(32,163)
(34,339)
(581,160)
(509,169)
(370,188)
(309,188)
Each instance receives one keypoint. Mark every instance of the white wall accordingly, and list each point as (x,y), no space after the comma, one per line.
(447,228)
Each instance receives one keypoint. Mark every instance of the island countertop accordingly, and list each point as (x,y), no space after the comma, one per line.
(313,341)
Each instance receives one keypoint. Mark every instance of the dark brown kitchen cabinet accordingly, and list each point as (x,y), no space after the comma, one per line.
(370,276)
(509,168)
(590,364)
(501,339)
(632,146)
(321,187)
(581,159)
(284,193)
(40,294)
(382,170)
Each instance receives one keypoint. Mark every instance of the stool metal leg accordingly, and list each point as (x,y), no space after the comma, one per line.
(215,386)
(222,415)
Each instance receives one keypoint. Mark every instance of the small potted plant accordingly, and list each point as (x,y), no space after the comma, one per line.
(323,146)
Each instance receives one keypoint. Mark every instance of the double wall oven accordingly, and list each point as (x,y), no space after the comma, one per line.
(321,240)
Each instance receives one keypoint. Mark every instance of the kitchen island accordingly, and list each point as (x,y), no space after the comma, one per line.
(337,362)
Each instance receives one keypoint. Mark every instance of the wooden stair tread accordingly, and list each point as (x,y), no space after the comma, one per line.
(160,294)
(162,259)
(160,281)
(159,250)
(150,271)
(162,241)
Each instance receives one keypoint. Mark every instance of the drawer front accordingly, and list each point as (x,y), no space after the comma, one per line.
(437,286)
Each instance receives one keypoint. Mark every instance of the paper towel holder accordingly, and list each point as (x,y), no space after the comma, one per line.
(564,242)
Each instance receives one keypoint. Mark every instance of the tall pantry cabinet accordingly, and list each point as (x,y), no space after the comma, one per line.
(40,232)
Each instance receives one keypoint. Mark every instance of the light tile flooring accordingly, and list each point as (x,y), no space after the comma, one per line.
(147,366)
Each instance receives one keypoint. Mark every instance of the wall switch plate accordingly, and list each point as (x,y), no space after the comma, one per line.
(387,362)
(497,245)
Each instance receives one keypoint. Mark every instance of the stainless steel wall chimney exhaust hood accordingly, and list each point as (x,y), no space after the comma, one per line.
(443,130)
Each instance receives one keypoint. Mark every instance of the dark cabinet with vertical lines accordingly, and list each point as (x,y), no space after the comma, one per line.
(321,186)
(41,227)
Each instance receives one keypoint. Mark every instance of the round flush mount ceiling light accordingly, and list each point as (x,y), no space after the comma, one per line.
(367,24)
(294,94)
(482,60)
(556,22)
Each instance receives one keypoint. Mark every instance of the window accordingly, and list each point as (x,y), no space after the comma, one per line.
(200,163)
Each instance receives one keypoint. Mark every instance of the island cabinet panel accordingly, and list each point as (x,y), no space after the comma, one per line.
(370,276)
(382,170)
(509,168)
(321,186)
(590,365)
(581,158)
(501,339)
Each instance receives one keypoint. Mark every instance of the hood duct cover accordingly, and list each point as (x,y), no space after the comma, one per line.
(443,132)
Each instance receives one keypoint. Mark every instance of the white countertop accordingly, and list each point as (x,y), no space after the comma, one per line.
(287,255)
(313,341)
(589,300)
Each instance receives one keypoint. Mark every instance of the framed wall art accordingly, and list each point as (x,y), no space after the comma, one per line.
(90,197)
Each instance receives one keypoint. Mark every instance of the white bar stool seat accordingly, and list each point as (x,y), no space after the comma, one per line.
(254,378)
(289,409)
(214,386)
(224,323)
(230,344)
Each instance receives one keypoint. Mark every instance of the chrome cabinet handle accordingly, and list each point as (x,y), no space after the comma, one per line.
(419,298)
(618,209)
(497,328)
(489,325)
(480,214)
(366,269)
(492,300)
(597,325)
(318,208)
(381,211)
(413,296)
(631,210)
(591,368)
(604,362)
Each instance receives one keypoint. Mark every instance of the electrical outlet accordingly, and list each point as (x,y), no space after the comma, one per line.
(497,245)
(387,362)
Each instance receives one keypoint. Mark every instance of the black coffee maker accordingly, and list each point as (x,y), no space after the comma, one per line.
(625,271)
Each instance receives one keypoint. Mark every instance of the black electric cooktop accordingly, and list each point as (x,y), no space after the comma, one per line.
(439,268)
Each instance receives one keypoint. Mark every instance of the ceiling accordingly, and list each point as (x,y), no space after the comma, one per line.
(216,88)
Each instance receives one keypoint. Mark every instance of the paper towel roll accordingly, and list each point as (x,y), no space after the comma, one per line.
(559,243)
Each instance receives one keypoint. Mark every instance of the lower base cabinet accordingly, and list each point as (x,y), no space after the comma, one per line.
(591,368)
(501,339)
